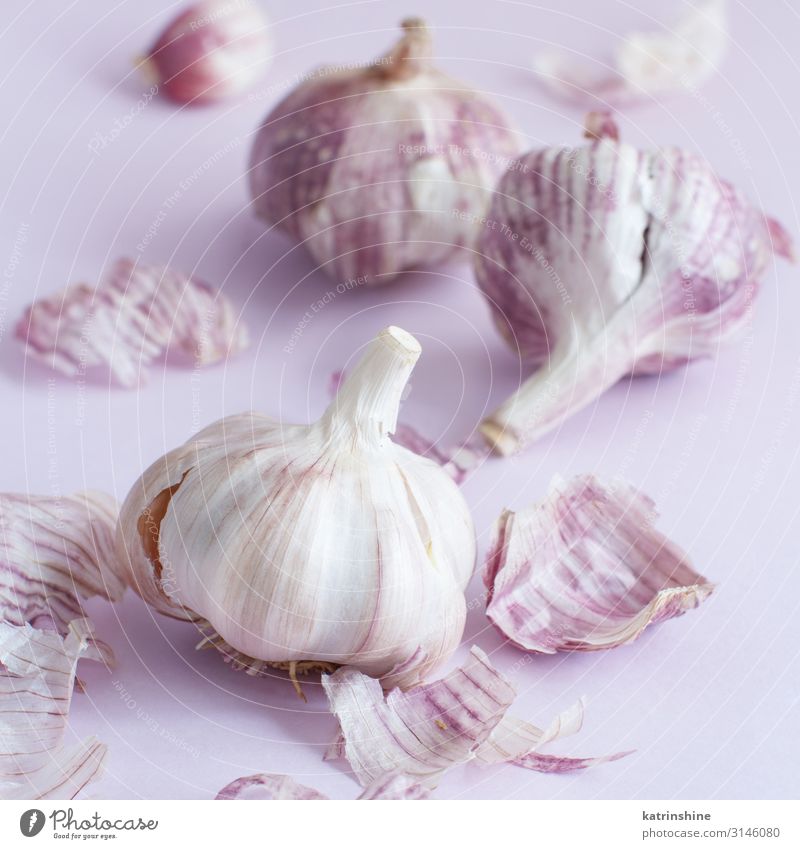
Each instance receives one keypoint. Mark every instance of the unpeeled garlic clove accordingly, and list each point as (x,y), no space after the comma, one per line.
(603,261)
(381,168)
(309,544)
(213,50)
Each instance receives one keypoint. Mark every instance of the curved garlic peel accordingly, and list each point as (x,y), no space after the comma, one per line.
(66,772)
(212,51)
(55,551)
(646,65)
(584,570)
(607,261)
(269,787)
(135,315)
(352,164)
(426,731)
(517,742)
(422,732)
(319,543)
(37,674)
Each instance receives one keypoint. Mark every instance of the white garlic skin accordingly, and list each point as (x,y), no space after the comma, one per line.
(212,51)
(382,168)
(324,542)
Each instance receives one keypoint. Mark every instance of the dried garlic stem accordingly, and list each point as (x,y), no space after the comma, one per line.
(574,377)
(411,55)
(368,402)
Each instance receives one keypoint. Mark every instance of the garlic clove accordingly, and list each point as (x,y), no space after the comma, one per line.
(352,163)
(67,771)
(135,315)
(424,731)
(301,546)
(265,786)
(37,675)
(212,51)
(607,261)
(585,570)
(646,65)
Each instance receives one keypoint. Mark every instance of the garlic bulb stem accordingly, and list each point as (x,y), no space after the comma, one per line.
(556,391)
(412,54)
(368,402)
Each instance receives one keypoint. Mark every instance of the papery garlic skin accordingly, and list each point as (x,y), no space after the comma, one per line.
(212,51)
(323,542)
(605,261)
(381,168)
(646,65)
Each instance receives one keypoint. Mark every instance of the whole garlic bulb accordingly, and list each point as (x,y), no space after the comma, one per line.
(381,168)
(213,50)
(604,260)
(324,542)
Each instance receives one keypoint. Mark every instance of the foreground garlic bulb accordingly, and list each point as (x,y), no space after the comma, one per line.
(380,168)
(324,542)
(603,261)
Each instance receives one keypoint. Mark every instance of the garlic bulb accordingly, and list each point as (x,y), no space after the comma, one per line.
(603,261)
(213,50)
(323,543)
(380,168)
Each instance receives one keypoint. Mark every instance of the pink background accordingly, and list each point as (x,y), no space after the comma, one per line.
(709,700)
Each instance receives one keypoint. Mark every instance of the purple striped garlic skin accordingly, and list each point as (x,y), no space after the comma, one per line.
(325,543)
(212,51)
(136,314)
(441,725)
(382,168)
(585,570)
(603,261)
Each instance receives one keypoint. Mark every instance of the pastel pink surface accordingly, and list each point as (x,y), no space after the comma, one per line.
(92,170)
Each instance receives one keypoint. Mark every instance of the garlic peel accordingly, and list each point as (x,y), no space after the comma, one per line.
(269,787)
(136,314)
(54,552)
(380,169)
(646,65)
(515,741)
(265,786)
(421,732)
(211,51)
(322,543)
(67,771)
(585,570)
(37,675)
(435,727)
(609,261)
